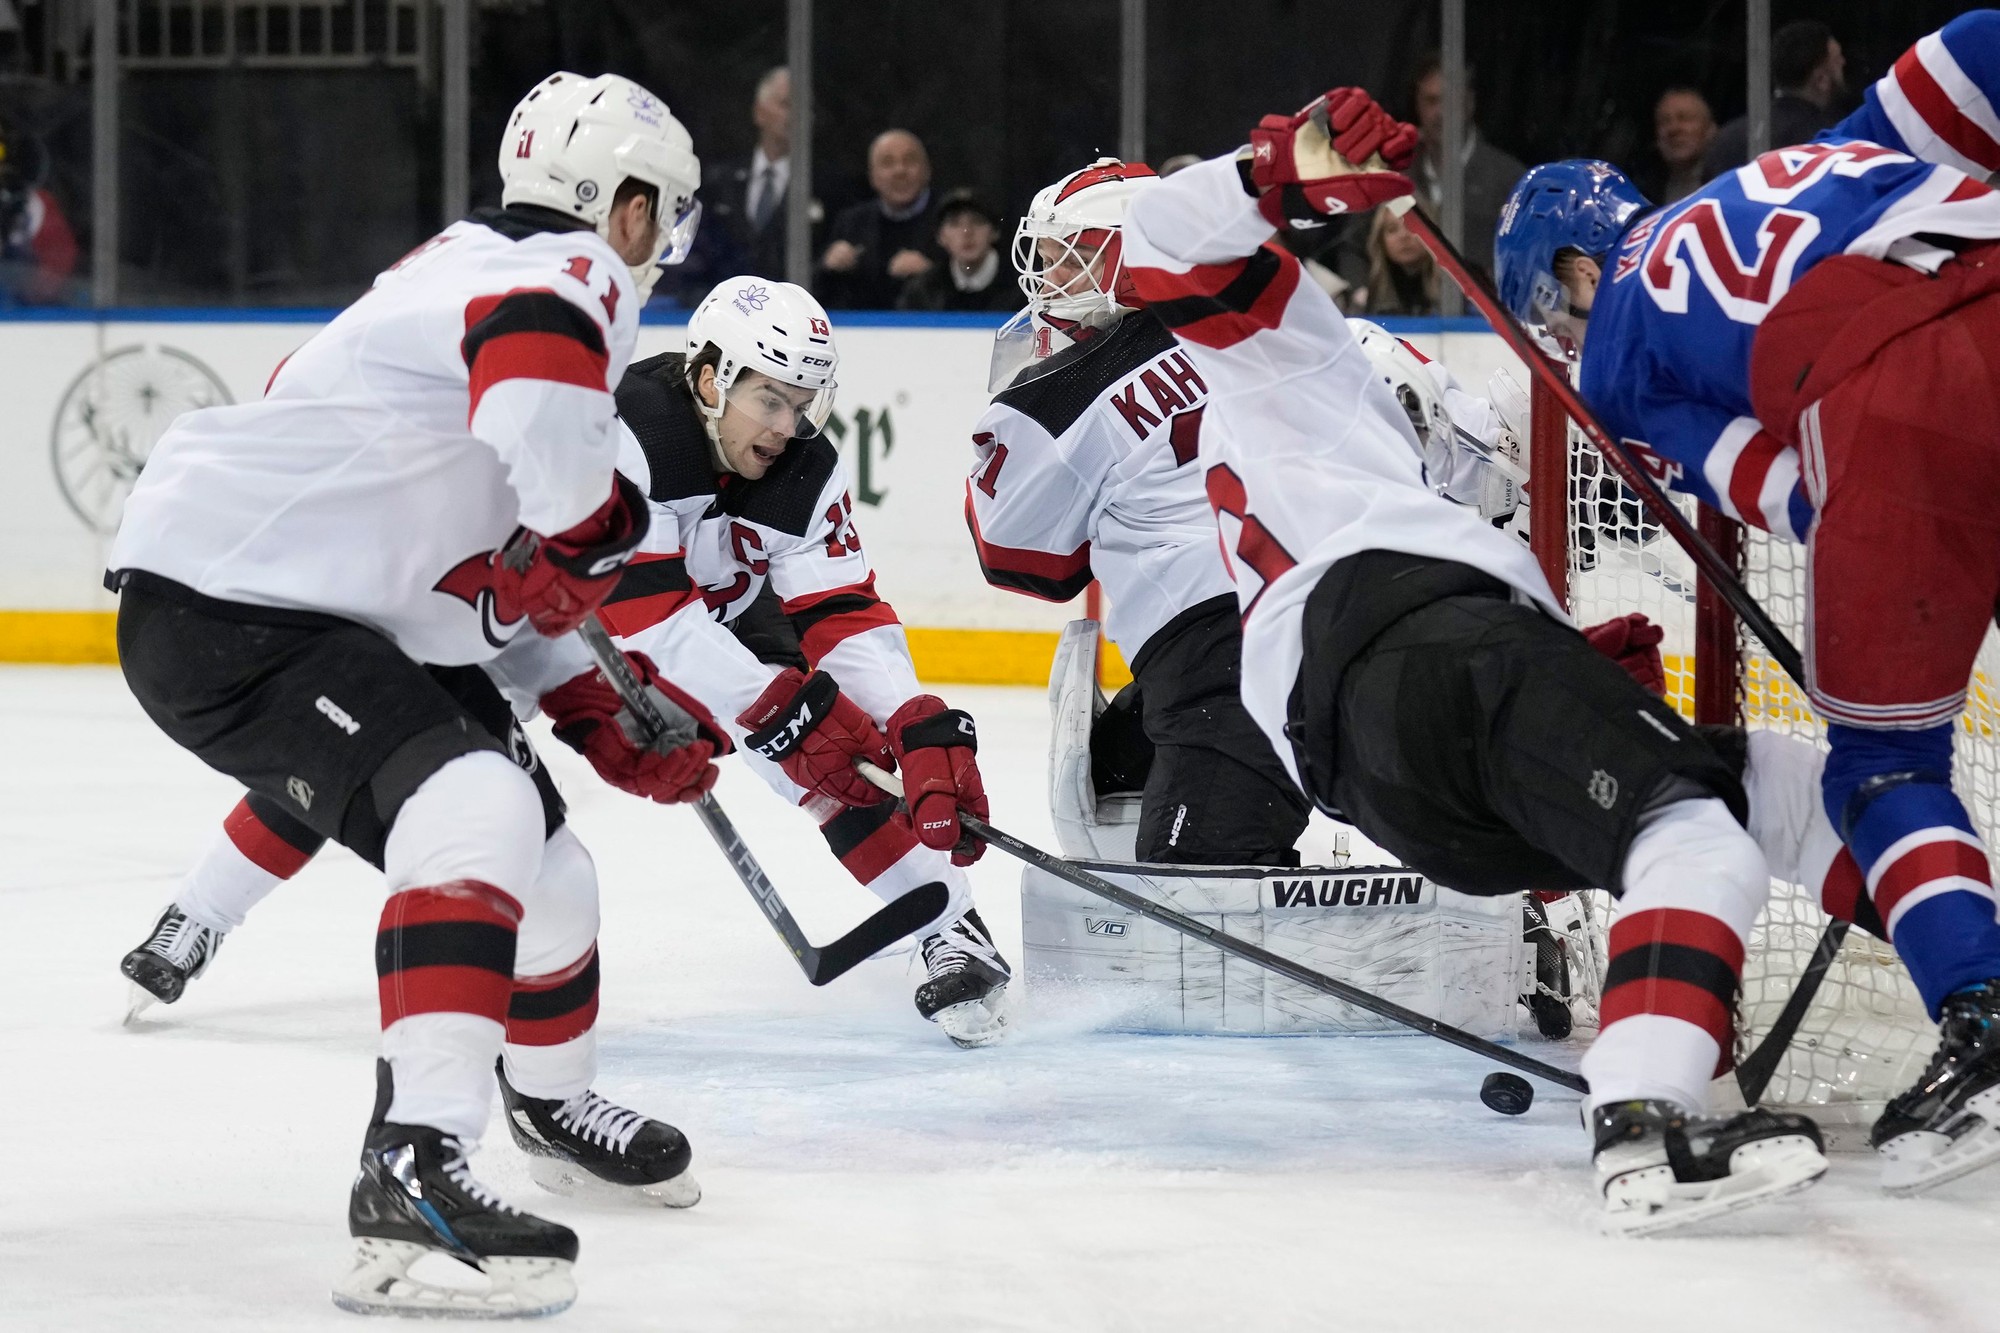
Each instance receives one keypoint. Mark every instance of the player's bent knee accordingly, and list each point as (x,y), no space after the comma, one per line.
(477,817)
(1693,855)
(559,911)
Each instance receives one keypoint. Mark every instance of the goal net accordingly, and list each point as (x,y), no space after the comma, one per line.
(1866,1036)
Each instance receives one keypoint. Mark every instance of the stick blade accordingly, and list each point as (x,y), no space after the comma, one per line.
(906,915)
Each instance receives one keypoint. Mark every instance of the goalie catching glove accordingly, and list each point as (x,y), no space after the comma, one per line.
(591,719)
(807,727)
(935,747)
(1340,153)
(558,581)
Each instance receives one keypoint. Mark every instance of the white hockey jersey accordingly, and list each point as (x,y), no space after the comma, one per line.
(470,391)
(717,539)
(1309,458)
(1089,471)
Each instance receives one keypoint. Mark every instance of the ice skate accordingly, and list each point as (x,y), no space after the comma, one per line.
(179,950)
(965,993)
(414,1198)
(1660,1168)
(587,1145)
(1949,1123)
(1548,998)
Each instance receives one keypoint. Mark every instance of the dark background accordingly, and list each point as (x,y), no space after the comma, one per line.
(289,187)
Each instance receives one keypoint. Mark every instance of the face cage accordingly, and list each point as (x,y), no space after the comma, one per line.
(1029,266)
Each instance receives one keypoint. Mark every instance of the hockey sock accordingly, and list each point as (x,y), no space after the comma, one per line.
(463,846)
(886,857)
(250,857)
(1694,884)
(1788,820)
(1926,869)
(552,1031)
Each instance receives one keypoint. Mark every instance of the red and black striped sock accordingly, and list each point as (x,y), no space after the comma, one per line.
(1675,963)
(550,1010)
(446,949)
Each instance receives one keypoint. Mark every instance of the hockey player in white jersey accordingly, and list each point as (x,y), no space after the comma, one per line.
(1086,468)
(1414,672)
(310,587)
(744,493)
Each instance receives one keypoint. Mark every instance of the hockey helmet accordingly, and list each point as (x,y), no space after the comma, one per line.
(1068,255)
(1578,204)
(1407,374)
(776,329)
(572,141)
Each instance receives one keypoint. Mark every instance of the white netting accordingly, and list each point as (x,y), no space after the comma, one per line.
(1866,1036)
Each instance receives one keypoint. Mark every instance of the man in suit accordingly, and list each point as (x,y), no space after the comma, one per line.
(743,202)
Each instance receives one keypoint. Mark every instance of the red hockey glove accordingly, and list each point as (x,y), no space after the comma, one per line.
(558,581)
(935,748)
(1633,642)
(810,729)
(1341,153)
(591,719)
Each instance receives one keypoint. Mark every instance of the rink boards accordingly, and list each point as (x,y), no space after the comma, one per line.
(88,397)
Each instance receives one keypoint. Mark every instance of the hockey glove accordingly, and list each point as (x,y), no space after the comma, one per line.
(591,719)
(806,726)
(935,748)
(1633,642)
(1341,153)
(558,581)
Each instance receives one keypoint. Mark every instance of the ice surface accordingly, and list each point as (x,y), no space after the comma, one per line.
(859,1172)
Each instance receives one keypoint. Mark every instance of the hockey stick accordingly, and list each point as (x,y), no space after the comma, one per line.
(1755,1071)
(821,963)
(1249,953)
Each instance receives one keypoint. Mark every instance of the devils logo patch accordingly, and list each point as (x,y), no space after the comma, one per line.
(471,582)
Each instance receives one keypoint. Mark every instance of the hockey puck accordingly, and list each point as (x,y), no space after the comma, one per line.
(1509,1094)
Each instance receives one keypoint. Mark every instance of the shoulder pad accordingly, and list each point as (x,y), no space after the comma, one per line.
(655,406)
(1055,399)
(787,497)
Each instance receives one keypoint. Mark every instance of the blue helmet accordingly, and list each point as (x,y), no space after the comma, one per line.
(1579,204)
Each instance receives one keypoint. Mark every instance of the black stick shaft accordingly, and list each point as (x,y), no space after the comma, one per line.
(1249,953)
(1753,1075)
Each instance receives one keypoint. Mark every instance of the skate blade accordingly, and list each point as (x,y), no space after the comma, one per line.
(1761,1173)
(975,1023)
(516,1288)
(137,1001)
(1914,1163)
(571,1181)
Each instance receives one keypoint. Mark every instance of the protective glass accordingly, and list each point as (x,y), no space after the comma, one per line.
(679,234)
(775,405)
(1034,343)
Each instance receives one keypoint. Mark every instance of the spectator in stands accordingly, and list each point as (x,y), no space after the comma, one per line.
(1683,128)
(1809,78)
(1489,173)
(37,247)
(880,244)
(1402,276)
(972,276)
(743,200)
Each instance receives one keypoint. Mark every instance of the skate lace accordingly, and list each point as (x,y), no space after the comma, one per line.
(459,1172)
(595,1120)
(957,947)
(179,939)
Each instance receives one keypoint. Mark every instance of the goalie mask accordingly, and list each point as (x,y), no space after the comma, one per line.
(572,142)
(778,330)
(1408,377)
(1068,257)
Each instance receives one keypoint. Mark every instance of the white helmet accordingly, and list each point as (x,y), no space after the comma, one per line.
(1408,375)
(776,329)
(572,142)
(1083,215)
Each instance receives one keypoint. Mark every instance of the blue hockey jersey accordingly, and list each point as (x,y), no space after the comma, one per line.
(1666,362)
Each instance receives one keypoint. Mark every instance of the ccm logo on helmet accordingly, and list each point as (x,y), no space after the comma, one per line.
(817,360)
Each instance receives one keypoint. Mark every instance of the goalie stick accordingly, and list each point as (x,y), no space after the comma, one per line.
(821,963)
(1754,1073)
(1237,948)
